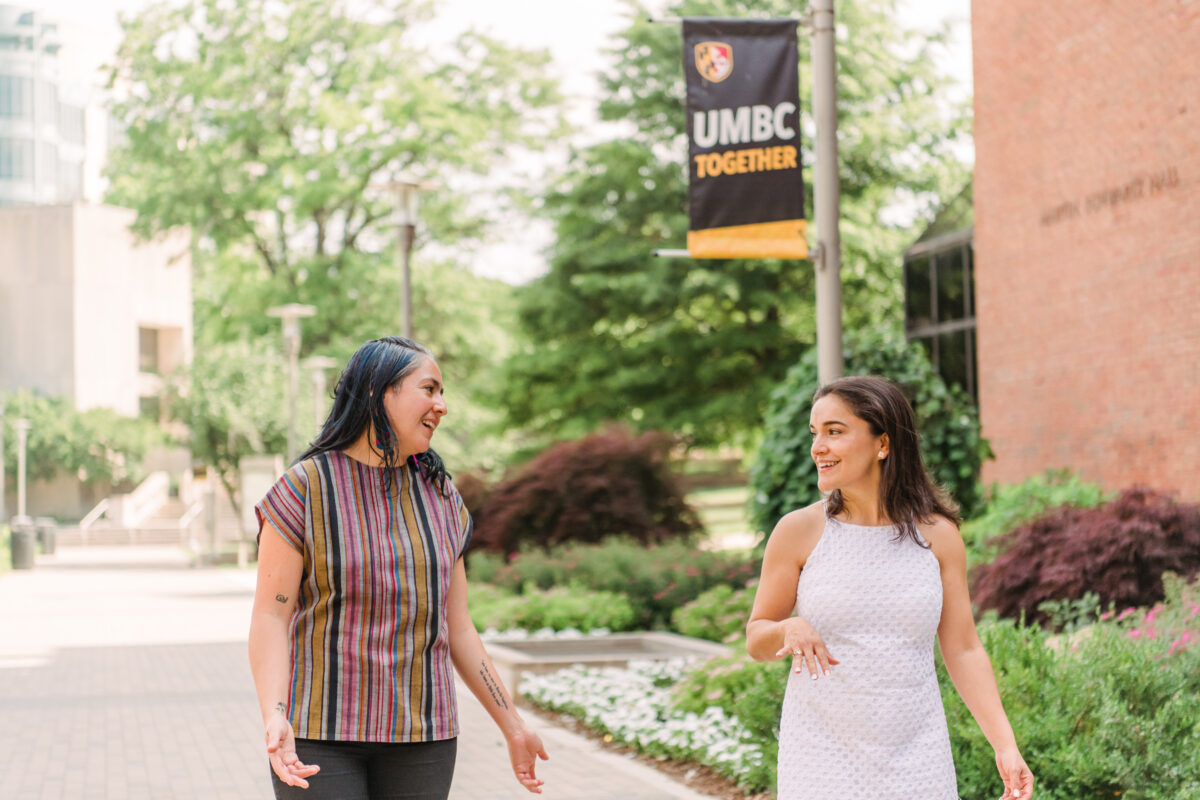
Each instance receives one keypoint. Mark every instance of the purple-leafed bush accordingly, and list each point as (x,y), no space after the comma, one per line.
(609,483)
(1119,550)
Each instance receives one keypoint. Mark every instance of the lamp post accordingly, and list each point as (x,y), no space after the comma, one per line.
(318,365)
(826,193)
(291,314)
(3,485)
(22,425)
(406,230)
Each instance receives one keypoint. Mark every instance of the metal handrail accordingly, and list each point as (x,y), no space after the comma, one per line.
(147,498)
(189,516)
(96,513)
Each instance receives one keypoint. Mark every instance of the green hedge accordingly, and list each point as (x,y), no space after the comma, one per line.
(657,579)
(559,608)
(718,614)
(1110,711)
(1007,507)
(783,477)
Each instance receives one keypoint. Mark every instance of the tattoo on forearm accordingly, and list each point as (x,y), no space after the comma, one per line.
(281,598)
(281,707)
(493,685)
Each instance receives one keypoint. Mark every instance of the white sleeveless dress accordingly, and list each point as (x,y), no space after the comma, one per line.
(874,729)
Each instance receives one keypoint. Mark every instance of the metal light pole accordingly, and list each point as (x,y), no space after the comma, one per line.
(291,314)
(828,257)
(3,485)
(22,425)
(406,231)
(318,365)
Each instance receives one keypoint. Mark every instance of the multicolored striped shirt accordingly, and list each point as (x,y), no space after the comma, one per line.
(369,637)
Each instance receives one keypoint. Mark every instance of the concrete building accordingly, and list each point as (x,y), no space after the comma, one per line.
(42,143)
(1086,241)
(87,311)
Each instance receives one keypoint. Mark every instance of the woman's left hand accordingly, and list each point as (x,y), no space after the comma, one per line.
(1018,780)
(524,749)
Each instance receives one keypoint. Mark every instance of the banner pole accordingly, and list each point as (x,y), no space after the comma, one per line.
(827,198)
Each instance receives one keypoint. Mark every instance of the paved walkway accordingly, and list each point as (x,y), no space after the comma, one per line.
(123,675)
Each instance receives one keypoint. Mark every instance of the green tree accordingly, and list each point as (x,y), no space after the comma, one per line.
(97,446)
(233,398)
(694,347)
(784,477)
(268,126)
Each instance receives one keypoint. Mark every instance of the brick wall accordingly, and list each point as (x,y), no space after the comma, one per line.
(1087,236)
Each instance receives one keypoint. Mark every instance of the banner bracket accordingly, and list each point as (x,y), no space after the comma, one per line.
(672,253)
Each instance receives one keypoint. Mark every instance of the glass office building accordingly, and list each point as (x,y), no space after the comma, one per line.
(41,132)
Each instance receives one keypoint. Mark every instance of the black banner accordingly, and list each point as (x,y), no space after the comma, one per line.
(746,194)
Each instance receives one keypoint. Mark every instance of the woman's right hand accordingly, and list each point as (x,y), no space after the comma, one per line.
(807,648)
(281,750)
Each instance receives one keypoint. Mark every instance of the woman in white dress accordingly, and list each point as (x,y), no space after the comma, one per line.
(874,574)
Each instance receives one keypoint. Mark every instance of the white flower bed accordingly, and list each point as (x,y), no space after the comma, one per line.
(521,635)
(634,706)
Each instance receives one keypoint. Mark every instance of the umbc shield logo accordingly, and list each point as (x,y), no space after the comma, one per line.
(714,61)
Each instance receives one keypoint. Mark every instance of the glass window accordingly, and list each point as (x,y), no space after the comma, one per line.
(150,408)
(16,159)
(148,350)
(951,299)
(952,359)
(969,255)
(16,97)
(918,308)
(939,286)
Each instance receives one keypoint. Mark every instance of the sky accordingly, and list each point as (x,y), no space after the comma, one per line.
(574,31)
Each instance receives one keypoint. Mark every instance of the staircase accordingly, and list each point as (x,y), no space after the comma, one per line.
(156,519)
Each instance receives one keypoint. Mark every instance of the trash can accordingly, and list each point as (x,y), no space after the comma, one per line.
(22,544)
(47,534)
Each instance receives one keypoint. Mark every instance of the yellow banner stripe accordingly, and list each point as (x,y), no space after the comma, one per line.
(783,239)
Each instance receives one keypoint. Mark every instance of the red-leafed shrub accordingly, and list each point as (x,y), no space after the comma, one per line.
(475,492)
(1119,550)
(609,483)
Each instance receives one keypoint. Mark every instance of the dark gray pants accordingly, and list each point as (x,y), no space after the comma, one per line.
(373,771)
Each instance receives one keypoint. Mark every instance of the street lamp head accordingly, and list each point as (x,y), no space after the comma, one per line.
(320,362)
(292,311)
(405,191)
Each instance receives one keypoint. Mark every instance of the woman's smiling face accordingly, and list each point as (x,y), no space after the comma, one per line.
(844,448)
(414,407)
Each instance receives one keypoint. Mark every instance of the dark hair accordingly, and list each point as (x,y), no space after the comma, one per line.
(358,402)
(907,494)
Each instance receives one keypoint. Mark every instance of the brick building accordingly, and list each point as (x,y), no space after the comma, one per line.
(1087,239)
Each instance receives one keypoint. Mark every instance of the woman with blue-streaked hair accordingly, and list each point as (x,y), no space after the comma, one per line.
(360,613)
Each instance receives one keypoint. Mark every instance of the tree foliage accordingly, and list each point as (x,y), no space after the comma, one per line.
(269,127)
(98,446)
(232,397)
(694,346)
(1118,550)
(784,477)
(606,484)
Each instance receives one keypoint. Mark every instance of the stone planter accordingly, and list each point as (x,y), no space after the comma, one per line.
(614,650)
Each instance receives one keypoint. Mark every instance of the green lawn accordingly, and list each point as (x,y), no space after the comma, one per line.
(722,511)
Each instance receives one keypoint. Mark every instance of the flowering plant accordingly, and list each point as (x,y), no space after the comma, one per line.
(635,706)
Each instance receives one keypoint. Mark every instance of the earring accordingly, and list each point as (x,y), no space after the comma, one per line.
(881,455)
